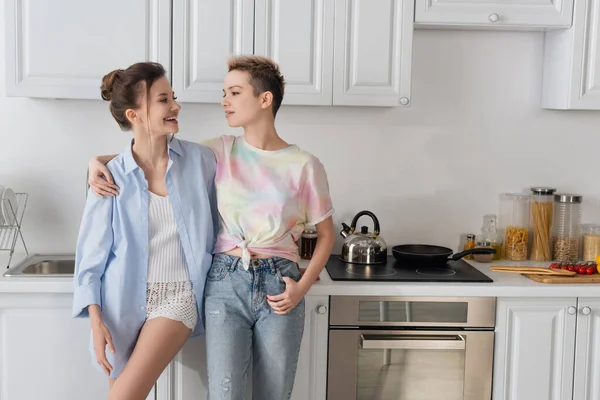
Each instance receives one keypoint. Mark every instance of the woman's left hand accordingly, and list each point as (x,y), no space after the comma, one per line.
(285,302)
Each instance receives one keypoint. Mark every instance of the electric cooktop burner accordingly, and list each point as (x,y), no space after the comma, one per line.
(394,270)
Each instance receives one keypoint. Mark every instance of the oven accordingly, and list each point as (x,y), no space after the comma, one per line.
(410,348)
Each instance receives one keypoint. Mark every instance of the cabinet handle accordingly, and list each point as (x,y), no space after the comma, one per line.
(586,310)
(404,101)
(321,310)
(494,17)
(571,310)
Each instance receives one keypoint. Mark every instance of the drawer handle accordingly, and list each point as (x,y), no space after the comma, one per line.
(413,342)
(494,17)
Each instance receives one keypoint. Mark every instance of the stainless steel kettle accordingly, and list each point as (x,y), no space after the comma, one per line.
(363,247)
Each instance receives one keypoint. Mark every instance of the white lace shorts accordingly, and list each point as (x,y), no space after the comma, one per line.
(173,300)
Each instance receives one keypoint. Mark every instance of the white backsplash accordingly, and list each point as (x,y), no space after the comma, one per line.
(429,172)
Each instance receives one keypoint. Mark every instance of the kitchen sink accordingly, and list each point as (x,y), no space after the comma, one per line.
(51,265)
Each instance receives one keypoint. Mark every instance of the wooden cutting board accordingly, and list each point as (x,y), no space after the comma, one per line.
(577,279)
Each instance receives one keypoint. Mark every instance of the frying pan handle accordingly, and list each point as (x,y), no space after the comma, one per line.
(481,250)
(370,214)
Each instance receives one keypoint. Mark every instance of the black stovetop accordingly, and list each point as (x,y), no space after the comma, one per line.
(394,270)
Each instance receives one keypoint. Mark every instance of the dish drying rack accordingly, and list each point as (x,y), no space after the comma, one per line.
(10,233)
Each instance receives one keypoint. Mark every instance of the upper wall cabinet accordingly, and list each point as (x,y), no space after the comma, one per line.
(520,14)
(62,49)
(373,52)
(298,35)
(205,34)
(572,62)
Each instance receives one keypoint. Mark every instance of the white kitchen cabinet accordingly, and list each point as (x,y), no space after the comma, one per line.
(311,376)
(492,14)
(373,52)
(534,347)
(587,350)
(45,351)
(205,34)
(572,62)
(298,35)
(186,377)
(63,48)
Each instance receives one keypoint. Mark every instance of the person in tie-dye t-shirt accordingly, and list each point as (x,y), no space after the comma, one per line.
(267,192)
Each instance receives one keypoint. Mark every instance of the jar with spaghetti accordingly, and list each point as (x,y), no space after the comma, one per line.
(514,214)
(542,204)
(566,227)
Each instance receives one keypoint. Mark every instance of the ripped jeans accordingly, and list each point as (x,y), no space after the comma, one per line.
(241,328)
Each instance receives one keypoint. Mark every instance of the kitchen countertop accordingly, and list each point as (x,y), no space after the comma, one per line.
(504,285)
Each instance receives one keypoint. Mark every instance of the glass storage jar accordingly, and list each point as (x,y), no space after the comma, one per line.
(566,227)
(514,214)
(542,205)
(591,242)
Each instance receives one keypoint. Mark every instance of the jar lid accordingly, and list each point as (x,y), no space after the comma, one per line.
(547,191)
(484,243)
(309,234)
(470,236)
(568,198)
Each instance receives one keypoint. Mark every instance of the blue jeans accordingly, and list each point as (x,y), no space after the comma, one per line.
(241,328)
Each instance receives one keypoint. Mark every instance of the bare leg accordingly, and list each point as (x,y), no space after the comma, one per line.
(111,382)
(159,341)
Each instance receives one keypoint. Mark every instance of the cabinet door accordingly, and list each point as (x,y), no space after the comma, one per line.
(534,347)
(494,13)
(311,375)
(572,62)
(63,48)
(298,35)
(205,34)
(587,345)
(373,52)
(44,351)
(186,377)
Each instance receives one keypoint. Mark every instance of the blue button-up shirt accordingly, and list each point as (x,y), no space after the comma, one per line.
(111,261)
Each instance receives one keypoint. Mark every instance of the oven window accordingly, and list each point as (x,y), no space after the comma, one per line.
(406,374)
(413,311)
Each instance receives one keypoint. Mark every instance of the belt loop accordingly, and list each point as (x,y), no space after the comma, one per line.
(234,263)
(271,262)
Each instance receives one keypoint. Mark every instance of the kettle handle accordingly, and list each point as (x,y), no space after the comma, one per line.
(370,214)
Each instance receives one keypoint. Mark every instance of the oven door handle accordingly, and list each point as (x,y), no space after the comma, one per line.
(413,342)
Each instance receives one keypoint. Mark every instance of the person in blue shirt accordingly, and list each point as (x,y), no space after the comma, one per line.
(142,257)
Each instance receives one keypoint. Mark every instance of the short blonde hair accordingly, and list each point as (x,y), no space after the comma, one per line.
(264,76)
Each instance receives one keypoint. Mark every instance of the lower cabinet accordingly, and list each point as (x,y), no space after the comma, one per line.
(547,348)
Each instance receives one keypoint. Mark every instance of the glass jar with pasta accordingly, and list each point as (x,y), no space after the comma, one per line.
(542,204)
(514,220)
(591,242)
(566,227)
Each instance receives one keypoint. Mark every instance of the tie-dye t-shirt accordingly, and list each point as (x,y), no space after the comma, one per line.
(266,198)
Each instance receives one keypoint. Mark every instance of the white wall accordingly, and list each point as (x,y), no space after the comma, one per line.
(429,172)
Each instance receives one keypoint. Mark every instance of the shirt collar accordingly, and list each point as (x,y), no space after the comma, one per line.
(173,145)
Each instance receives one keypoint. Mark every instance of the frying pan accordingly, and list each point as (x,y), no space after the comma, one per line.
(433,255)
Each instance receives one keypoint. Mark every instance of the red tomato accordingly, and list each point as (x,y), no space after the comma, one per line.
(591,270)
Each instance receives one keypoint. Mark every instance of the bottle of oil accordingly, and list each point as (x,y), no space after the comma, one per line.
(469,244)
(489,233)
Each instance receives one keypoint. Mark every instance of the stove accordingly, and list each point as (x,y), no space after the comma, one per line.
(394,270)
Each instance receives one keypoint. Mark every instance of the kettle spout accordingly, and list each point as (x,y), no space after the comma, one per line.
(346,231)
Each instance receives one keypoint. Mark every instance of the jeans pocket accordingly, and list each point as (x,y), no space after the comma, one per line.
(290,269)
(217,272)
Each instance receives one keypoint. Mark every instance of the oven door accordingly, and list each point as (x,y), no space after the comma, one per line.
(410,365)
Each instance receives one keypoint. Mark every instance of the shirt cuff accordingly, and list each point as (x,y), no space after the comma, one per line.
(84,296)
